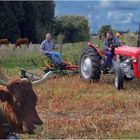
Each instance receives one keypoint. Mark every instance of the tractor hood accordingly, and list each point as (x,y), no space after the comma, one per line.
(127,51)
(132,52)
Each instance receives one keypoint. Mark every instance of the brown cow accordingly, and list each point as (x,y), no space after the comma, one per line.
(4,42)
(22,41)
(19,101)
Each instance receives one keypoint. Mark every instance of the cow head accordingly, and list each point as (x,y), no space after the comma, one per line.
(19,101)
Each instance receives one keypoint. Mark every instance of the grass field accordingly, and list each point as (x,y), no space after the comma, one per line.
(71,108)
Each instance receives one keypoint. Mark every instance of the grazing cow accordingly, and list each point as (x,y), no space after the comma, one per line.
(4,42)
(22,41)
(19,101)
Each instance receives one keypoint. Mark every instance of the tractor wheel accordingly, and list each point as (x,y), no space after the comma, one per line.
(128,79)
(89,65)
(119,77)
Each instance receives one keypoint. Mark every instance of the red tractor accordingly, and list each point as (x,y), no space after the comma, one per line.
(126,64)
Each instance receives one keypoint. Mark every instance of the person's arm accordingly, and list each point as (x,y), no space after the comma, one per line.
(105,45)
(54,46)
(42,48)
(117,42)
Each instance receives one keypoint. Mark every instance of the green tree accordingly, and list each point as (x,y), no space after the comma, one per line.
(73,28)
(8,23)
(31,19)
(45,11)
(104,29)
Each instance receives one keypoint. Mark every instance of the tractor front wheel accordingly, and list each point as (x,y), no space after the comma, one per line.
(119,77)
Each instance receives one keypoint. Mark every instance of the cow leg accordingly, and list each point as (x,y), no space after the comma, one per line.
(27,45)
(2,133)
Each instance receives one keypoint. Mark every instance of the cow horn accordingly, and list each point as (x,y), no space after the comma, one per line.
(43,79)
(3,83)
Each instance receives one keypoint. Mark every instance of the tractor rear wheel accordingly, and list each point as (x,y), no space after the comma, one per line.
(119,78)
(89,65)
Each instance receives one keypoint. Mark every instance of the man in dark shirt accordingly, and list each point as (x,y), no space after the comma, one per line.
(109,43)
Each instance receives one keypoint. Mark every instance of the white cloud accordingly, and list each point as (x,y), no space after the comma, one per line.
(94,17)
(105,3)
(133,1)
(120,17)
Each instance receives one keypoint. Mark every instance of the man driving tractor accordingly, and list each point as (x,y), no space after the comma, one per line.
(109,43)
(47,47)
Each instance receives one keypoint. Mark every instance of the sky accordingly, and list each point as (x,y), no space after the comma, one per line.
(121,15)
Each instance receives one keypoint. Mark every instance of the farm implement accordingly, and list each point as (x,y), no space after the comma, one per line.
(46,65)
(66,68)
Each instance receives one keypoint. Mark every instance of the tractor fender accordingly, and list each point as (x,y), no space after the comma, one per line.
(93,46)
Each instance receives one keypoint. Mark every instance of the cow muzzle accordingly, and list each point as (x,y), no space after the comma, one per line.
(38,129)
(35,129)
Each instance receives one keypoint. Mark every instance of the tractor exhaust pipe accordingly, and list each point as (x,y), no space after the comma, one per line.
(138,42)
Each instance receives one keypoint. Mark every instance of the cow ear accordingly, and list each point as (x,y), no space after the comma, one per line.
(4,95)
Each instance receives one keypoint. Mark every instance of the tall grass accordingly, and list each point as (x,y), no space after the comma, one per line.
(71,52)
(19,57)
(22,57)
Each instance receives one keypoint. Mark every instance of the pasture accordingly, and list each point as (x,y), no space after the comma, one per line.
(71,108)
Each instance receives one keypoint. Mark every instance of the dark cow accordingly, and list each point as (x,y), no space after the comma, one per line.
(19,101)
(4,42)
(21,41)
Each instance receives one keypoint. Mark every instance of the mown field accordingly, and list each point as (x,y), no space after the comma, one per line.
(71,108)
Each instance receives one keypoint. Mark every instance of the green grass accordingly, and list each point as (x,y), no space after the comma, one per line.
(128,135)
(22,57)
(72,51)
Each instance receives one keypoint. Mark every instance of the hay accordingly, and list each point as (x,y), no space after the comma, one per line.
(2,75)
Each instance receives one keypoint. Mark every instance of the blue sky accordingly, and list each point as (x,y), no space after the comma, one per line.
(121,15)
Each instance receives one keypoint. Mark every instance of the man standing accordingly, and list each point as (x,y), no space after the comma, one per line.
(47,47)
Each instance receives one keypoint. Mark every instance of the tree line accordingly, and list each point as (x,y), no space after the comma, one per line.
(25,19)
(104,28)
(33,19)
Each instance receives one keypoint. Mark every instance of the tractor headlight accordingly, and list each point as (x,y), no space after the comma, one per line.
(134,60)
(124,64)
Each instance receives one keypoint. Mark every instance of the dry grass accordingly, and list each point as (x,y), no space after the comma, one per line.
(2,74)
(71,108)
